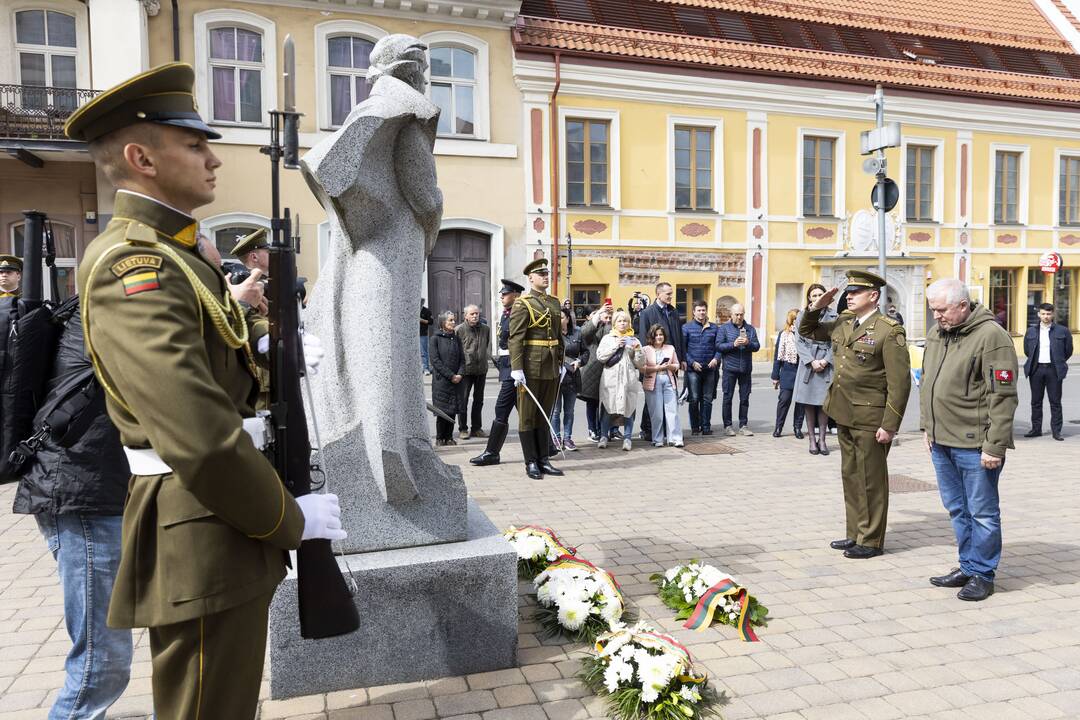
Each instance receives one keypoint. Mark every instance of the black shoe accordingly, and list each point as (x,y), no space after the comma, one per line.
(548,469)
(485,458)
(1033,433)
(1057,436)
(862,552)
(615,434)
(823,448)
(695,431)
(814,449)
(644,435)
(956,578)
(533,471)
(776,432)
(976,589)
(842,544)
(707,431)
(799,434)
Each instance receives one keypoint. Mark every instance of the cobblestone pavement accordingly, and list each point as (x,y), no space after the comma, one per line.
(847,639)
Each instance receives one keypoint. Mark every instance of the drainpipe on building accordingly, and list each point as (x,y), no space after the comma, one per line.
(554,119)
(175,30)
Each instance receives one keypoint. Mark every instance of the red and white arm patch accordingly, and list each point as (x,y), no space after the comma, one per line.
(1005,377)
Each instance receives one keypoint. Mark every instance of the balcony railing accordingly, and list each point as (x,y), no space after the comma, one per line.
(38,113)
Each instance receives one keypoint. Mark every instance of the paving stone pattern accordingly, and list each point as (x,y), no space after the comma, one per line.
(847,639)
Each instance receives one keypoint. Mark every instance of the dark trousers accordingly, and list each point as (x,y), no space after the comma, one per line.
(505,401)
(444,429)
(700,391)
(743,381)
(783,403)
(1044,379)
(210,667)
(476,384)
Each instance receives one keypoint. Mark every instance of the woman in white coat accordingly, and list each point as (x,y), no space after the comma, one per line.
(620,385)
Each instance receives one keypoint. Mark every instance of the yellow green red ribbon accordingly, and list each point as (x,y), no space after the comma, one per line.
(711,600)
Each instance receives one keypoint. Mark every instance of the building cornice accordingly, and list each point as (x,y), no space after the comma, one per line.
(612,80)
(486,13)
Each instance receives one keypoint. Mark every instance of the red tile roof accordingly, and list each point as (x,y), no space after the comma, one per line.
(590,39)
(1015,23)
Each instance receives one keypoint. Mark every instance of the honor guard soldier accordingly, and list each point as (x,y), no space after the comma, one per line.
(536,366)
(10,277)
(867,398)
(508,294)
(207,521)
(254,251)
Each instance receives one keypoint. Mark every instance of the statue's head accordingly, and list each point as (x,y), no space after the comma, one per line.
(400,56)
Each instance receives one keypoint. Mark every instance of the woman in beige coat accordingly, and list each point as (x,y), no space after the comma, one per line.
(620,385)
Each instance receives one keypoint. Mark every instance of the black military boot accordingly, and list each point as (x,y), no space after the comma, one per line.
(543,440)
(528,450)
(496,438)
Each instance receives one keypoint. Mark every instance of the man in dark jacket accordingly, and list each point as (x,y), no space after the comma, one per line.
(504,403)
(967,401)
(1048,347)
(737,341)
(666,315)
(74,486)
(702,362)
(475,337)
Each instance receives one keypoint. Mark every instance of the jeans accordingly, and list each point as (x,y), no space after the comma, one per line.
(424,353)
(700,391)
(970,494)
(87,553)
(743,379)
(476,384)
(628,425)
(664,406)
(564,411)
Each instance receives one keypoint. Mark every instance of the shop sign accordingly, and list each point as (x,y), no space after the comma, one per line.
(1050,262)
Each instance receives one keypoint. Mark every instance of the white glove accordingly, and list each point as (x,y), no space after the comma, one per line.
(313,352)
(519,377)
(322,517)
(562,372)
(263,346)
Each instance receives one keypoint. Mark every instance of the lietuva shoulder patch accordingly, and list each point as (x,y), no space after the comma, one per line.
(135,262)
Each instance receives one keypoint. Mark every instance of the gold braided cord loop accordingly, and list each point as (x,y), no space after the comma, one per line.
(537,320)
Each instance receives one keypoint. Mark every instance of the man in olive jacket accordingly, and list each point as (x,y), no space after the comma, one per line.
(967,401)
(475,337)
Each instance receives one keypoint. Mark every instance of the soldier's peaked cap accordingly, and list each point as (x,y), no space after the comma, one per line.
(509,286)
(540,265)
(863,280)
(254,241)
(162,95)
(10,262)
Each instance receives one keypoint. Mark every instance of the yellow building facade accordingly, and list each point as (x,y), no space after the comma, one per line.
(748,188)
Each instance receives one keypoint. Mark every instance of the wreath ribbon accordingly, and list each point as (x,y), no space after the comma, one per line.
(710,602)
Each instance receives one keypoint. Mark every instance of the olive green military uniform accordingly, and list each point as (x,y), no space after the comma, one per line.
(260,326)
(869,390)
(11,262)
(203,545)
(536,347)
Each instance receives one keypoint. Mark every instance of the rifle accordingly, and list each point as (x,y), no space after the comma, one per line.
(325,602)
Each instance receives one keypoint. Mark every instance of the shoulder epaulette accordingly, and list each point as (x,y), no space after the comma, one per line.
(889,320)
(140,234)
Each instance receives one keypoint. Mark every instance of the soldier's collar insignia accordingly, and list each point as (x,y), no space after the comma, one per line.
(186,236)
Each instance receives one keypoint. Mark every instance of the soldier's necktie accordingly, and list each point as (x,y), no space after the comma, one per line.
(856,325)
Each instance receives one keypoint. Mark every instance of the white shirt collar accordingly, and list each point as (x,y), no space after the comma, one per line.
(864,318)
(155,200)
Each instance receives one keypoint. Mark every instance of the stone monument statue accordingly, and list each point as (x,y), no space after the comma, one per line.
(437,583)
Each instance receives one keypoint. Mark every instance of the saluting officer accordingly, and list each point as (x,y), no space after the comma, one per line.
(10,276)
(536,361)
(867,398)
(207,521)
(509,292)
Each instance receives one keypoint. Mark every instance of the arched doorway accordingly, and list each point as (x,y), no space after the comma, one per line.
(459,272)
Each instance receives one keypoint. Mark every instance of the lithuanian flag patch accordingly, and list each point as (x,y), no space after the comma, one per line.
(141,281)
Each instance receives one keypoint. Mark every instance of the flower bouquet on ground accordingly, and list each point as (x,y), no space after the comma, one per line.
(647,675)
(537,547)
(700,594)
(576,599)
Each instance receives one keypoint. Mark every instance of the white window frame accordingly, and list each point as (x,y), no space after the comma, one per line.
(481,93)
(209,19)
(61,261)
(839,173)
(1022,188)
(614,173)
(323,32)
(47,50)
(1060,153)
(938,144)
(717,126)
(211,225)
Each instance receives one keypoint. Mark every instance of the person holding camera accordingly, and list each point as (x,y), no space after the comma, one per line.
(737,341)
(661,388)
(575,356)
(623,360)
(592,332)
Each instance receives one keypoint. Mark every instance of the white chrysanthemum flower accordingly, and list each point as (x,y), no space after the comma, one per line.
(572,615)
(689,694)
(733,615)
(670,574)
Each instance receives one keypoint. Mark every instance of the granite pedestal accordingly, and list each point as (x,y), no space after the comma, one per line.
(425,612)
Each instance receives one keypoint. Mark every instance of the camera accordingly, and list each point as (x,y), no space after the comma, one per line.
(238,271)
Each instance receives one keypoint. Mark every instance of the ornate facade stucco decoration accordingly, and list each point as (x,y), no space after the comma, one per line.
(694,229)
(919,237)
(590,226)
(820,233)
(1007,239)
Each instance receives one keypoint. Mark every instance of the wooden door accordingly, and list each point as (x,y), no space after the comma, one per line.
(459,273)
